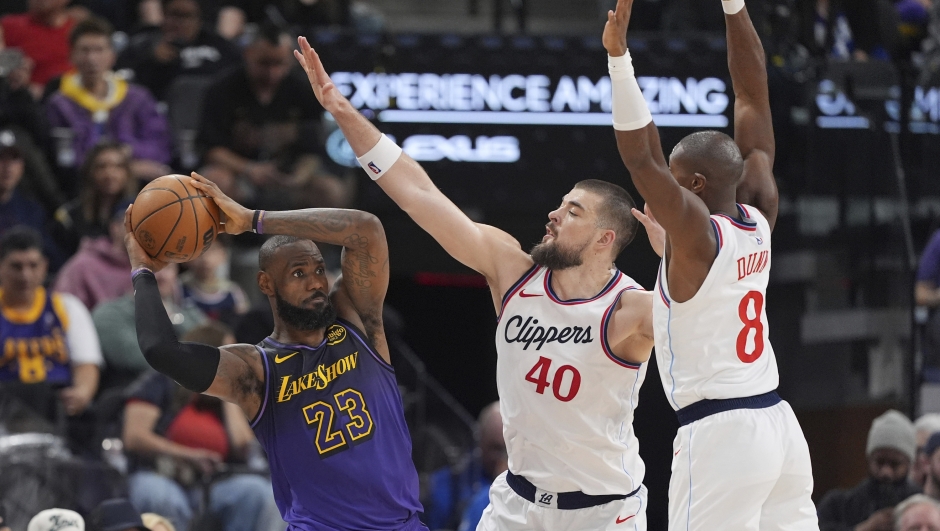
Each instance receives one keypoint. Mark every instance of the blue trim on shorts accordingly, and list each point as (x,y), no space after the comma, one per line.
(566,500)
(705,408)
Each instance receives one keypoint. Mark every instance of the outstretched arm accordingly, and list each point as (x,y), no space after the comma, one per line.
(493,253)
(683,216)
(365,251)
(753,126)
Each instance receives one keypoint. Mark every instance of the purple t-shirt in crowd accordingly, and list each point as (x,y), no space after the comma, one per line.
(135,121)
(929,268)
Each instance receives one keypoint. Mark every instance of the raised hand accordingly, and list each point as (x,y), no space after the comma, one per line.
(323,88)
(236,219)
(615,30)
(654,231)
(137,254)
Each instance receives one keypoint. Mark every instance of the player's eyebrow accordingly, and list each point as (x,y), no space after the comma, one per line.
(576,204)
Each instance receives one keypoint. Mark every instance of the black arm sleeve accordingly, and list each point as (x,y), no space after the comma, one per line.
(192,365)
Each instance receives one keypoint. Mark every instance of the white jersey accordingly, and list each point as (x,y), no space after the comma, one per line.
(716,344)
(567,402)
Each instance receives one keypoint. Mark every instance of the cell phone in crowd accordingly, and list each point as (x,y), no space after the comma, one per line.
(10,60)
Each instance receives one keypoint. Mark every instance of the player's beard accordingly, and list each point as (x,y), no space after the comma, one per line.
(555,257)
(300,318)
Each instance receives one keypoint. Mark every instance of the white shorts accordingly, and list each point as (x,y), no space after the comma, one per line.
(508,511)
(742,470)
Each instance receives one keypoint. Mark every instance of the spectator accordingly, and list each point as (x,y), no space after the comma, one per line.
(168,427)
(494,458)
(116,515)
(925,426)
(57,520)
(51,349)
(93,104)
(155,522)
(869,505)
(114,321)
(932,485)
(927,293)
(917,513)
(98,272)
(42,33)
(847,29)
(106,181)
(22,114)
(261,124)
(181,47)
(302,14)
(206,284)
(454,496)
(15,207)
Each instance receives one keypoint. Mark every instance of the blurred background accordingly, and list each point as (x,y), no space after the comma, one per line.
(506,104)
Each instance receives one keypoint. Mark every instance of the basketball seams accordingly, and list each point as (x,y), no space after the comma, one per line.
(178,200)
(190,196)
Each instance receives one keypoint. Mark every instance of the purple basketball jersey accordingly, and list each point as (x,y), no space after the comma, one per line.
(333,426)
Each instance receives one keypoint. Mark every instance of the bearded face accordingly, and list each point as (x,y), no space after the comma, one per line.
(300,318)
(557,256)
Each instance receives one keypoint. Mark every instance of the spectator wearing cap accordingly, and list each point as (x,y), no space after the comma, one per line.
(57,520)
(869,506)
(93,103)
(106,181)
(98,272)
(925,426)
(917,513)
(116,515)
(15,207)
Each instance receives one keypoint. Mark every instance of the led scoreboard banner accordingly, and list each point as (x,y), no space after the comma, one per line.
(509,124)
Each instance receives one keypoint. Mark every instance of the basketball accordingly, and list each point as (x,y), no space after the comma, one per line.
(173,221)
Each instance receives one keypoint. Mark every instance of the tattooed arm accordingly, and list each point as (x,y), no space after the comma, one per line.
(360,292)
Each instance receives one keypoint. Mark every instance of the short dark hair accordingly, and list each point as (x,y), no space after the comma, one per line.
(266,254)
(19,238)
(614,213)
(91,26)
(713,154)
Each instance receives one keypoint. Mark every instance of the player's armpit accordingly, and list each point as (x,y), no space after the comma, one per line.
(239,378)
(630,331)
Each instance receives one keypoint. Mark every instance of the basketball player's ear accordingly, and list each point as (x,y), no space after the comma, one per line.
(265,284)
(698,183)
(607,238)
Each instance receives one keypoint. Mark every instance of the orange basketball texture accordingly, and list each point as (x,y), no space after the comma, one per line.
(173,221)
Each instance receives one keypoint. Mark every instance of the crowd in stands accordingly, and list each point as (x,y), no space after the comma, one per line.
(89,115)
(99,97)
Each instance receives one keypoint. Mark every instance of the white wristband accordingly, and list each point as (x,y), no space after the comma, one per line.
(732,6)
(628,106)
(380,158)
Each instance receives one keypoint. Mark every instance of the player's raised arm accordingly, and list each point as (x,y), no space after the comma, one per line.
(484,249)
(685,219)
(364,283)
(753,127)
(233,373)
